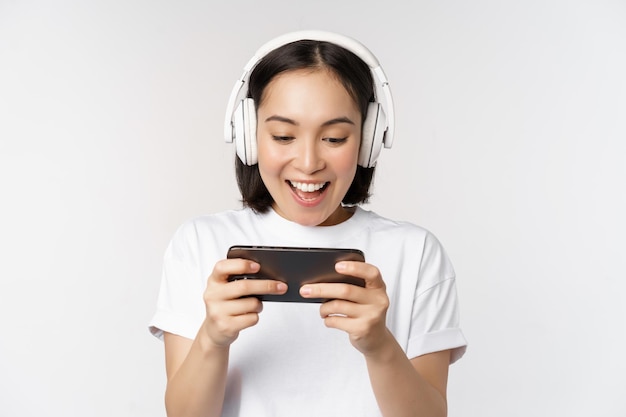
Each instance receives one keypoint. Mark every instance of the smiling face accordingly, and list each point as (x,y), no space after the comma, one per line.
(308,137)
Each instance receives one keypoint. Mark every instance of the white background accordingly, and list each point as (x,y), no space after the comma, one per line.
(510,147)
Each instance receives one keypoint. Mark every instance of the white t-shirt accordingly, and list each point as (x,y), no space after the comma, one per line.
(290,364)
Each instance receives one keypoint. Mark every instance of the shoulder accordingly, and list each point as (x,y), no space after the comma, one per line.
(378,224)
(210,227)
(407,237)
(216,221)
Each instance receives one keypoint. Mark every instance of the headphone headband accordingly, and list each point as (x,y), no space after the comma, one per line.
(315,35)
(381,85)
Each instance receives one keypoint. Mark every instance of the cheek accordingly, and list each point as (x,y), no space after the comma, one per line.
(346,162)
(269,150)
(345,168)
(267,156)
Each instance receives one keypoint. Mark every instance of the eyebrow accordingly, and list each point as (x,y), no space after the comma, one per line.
(337,120)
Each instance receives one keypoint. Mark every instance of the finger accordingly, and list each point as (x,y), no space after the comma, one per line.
(225,318)
(362,336)
(220,303)
(356,319)
(225,268)
(343,322)
(339,322)
(238,307)
(368,272)
(225,329)
(245,320)
(247,287)
(330,291)
(368,313)
(340,308)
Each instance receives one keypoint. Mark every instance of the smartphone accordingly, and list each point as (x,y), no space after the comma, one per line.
(297,266)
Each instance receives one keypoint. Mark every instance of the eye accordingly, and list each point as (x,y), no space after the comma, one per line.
(336,141)
(279,138)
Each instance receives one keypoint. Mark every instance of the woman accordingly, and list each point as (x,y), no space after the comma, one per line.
(304,165)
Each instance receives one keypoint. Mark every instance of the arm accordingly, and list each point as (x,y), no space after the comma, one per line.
(196,369)
(406,387)
(402,387)
(196,376)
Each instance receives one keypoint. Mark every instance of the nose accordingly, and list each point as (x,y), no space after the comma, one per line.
(309,158)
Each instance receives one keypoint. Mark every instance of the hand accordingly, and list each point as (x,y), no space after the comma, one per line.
(360,312)
(230,306)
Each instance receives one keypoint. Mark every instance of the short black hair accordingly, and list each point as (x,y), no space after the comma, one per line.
(356,77)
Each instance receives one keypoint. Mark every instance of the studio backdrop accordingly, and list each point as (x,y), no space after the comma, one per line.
(509,146)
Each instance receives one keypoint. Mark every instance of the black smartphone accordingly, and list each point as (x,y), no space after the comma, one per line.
(297,266)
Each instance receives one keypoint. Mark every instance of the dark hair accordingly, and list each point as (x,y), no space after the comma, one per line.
(354,74)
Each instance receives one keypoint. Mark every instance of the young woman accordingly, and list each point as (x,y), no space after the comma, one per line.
(303,167)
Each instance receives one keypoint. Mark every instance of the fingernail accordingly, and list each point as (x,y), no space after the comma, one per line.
(305,290)
(281,286)
(340,266)
(254,266)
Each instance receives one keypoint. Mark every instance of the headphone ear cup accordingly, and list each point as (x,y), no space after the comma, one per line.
(244,119)
(239,135)
(372,135)
(249,119)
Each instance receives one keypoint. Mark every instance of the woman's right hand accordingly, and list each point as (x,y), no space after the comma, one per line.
(231,306)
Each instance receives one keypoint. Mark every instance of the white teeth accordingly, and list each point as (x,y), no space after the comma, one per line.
(307,187)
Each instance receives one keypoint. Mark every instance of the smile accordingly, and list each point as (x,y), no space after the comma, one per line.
(308,194)
(307,187)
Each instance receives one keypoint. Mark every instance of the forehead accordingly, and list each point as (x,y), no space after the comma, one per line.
(310,85)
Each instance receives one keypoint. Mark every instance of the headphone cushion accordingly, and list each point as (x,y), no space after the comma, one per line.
(239,134)
(244,119)
(371,135)
(249,119)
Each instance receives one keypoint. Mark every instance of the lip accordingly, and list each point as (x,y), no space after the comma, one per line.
(308,202)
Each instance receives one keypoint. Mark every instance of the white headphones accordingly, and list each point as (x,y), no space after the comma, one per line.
(378,126)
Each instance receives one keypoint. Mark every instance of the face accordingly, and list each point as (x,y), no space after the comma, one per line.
(308,137)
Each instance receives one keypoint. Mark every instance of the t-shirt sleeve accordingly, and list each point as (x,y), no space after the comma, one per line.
(435,317)
(180,307)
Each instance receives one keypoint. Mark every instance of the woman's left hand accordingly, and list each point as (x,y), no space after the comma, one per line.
(359,311)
